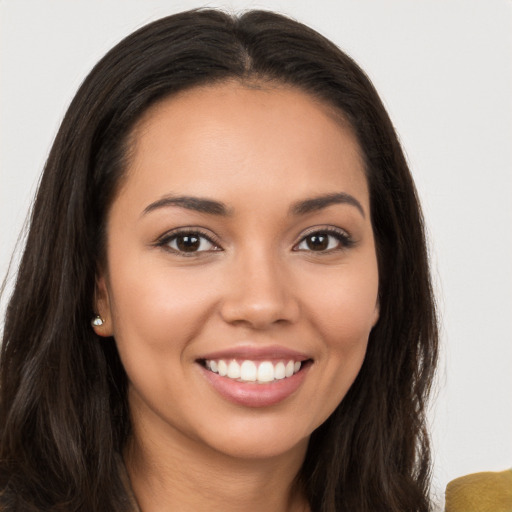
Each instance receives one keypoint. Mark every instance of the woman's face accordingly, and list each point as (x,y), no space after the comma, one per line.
(240,242)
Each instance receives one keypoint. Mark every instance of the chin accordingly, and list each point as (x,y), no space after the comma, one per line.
(263,437)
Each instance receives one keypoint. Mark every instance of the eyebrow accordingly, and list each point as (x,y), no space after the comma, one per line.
(212,207)
(318,203)
(197,204)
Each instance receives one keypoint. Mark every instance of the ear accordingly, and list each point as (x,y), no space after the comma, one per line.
(102,308)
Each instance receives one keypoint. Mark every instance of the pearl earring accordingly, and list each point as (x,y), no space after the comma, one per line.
(97,321)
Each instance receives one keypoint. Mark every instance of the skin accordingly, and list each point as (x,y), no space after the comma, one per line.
(259,151)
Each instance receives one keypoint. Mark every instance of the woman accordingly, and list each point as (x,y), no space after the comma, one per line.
(224,301)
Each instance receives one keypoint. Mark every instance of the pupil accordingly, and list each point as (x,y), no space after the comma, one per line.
(188,243)
(318,242)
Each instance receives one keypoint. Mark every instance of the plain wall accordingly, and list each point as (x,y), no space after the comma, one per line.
(443,69)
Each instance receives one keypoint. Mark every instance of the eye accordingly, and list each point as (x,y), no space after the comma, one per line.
(188,242)
(325,240)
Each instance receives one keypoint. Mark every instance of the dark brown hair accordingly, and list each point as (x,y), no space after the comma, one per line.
(63,412)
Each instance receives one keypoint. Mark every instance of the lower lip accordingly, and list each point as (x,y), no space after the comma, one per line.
(252,394)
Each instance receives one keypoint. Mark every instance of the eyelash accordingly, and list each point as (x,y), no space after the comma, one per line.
(344,240)
(168,238)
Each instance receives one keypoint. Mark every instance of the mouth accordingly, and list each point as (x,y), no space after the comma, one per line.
(254,371)
(256,377)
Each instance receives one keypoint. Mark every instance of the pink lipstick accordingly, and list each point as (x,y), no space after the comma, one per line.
(255,377)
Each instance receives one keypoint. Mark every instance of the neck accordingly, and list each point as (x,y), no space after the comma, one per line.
(183,476)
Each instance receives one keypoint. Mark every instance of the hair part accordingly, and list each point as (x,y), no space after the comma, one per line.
(64,417)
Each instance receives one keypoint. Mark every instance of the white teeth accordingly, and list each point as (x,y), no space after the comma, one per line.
(233,370)
(252,371)
(266,372)
(223,368)
(279,371)
(248,371)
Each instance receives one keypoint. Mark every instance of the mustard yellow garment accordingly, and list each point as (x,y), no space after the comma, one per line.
(480,492)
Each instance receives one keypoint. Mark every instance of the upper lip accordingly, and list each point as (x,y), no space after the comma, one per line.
(257,353)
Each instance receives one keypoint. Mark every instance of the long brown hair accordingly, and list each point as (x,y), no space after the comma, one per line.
(63,412)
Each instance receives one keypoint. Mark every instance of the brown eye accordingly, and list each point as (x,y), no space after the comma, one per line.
(188,243)
(317,242)
(325,241)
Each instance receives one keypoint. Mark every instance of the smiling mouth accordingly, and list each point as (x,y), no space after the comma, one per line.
(249,371)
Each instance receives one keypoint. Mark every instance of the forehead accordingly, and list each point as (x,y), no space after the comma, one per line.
(228,137)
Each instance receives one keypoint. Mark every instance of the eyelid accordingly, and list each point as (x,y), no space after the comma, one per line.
(344,237)
(163,240)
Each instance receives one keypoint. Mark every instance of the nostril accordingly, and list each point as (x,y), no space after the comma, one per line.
(260,312)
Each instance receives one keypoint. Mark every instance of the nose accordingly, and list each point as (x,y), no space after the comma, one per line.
(260,293)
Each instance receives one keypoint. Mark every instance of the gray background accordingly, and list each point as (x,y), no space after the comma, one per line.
(443,69)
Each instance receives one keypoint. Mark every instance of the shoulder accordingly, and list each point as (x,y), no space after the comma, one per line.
(480,492)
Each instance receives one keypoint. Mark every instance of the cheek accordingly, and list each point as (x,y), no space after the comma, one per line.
(155,307)
(156,313)
(343,311)
(345,327)
(344,305)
